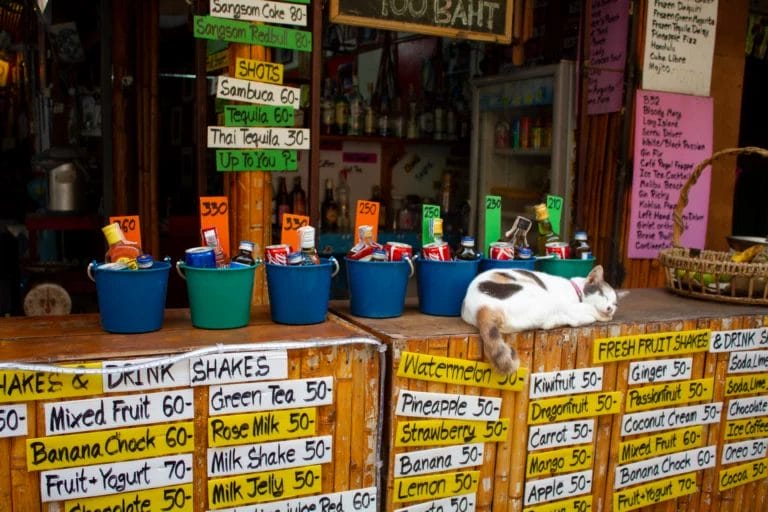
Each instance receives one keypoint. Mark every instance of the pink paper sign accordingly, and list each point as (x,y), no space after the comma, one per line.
(673,133)
(607,55)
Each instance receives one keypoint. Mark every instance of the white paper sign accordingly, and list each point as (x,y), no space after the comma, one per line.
(748,362)
(267,396)
(252,458)
(557,487)
(238,367)
(448,406)
(438,459)
(679,44)
(662,370)
(672,417)
(13,420)
(744,451)
(664,466)
(740,339)
(257,137)
(566,433)
(248,91)
(747,407)
(260,10)
(359,500)
(566,382)
(159,376)
(462,502)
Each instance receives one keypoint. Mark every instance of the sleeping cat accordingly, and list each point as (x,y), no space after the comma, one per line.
(501,301)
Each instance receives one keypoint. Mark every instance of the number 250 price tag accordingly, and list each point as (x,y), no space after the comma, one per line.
(130,225)
(289,234)
(367,214)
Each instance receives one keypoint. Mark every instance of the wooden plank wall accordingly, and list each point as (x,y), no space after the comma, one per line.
(599,154)
(502,474)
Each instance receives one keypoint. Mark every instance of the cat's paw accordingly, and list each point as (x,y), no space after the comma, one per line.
(505,361)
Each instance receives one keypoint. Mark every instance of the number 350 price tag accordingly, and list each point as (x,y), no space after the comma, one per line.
(367,214)
(130,225)
(289,234)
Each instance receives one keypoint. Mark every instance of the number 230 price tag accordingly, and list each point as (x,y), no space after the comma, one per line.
(367,214)
(289,233)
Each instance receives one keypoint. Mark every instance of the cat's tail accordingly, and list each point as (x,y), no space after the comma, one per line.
(502,357)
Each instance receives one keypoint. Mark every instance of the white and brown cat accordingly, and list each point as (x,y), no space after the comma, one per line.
(501,301)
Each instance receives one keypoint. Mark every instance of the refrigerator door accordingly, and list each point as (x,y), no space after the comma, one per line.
(523,144)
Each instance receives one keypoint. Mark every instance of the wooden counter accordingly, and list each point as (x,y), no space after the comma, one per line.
(518,474)
(333,353)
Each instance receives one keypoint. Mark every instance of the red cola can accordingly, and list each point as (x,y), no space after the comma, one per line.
(277,254)
(397,250)
(501,251)
(560,250)
(436,251)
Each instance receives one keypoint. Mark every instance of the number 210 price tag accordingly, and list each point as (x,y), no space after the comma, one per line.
(289,233)
(367,214)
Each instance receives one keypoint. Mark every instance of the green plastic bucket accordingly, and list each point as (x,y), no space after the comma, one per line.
(566,268)
(219,298)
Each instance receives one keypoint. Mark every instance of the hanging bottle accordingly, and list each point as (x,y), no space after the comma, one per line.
(370,125)
(327,108)
(376,196)
(341,110)
(298,198)
(356,110)
(329,210)
(412,124)
(342,194)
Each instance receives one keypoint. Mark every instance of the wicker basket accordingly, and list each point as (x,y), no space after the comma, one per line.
(709,274)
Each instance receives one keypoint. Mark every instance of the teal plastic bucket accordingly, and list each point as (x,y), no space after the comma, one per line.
(298,295)
(131,301)
(488,264)
(377,288)
(442,285)
(219,298)
(566,268)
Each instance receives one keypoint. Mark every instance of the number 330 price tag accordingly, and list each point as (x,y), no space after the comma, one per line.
(130,225)
(289,234)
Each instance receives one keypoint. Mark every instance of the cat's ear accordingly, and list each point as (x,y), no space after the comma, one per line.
(621,294)
(595,275)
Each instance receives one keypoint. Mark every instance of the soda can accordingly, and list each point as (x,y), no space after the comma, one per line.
(436,251)
(560,250)
(501,251)
(277,254)
(397,250)
(524,253)
(200,257)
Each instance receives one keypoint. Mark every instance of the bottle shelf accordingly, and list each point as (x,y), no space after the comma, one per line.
(537,152)
(385,140)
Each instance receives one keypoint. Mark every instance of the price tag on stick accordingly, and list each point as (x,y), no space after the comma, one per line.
(130,225)
(366,214)
(428,212)
(289,232)
(555,209)
(214,213)
(492,221)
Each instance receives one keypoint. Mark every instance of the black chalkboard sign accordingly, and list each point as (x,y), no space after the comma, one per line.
(483,20)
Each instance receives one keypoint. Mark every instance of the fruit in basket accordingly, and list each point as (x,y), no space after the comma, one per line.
(699,278)
(747,255)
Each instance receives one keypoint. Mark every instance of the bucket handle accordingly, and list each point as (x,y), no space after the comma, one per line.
(410,264)
(335,266)
(88,270)
(178,270)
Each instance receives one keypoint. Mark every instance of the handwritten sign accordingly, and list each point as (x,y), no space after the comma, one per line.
(250,458)
(555,435)
(109,446)
(661,370)
(664,465)
(435,486)
(260,10)
(573,407)
(485,21)
(743,451)
(437,460)
(130,225)
(566,382)
(748,362)
(157,376)
(289,232)
(27,386)
(443,405)
(258,115)
(739,339)
(660,444)
(746,429)
(428,212)
(660,395)
(747,407)
(258,138)
(743,474)
(220,29)
(367,214)
(564,460)
(463,502)
(638,346)
(171,499)
(248,91)
(445,432)
(655,492)
(671,417)
(582,504)
(214,213)
(555,210)
(264,486)
(262,160)
(557,487)
(216,61)
(13,420)
(607,55)
(673,134)
(359,500)
(492,221)
(746,384)
(259,70)
(258,427)
(679,44)
(449,370)
(238,367)
(261,396)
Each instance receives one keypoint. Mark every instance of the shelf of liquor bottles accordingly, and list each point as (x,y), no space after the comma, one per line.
(386,140)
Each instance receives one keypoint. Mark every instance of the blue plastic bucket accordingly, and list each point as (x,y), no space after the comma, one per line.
(488,264)
(298,295)
(377,288)
(443,284)
(131,301)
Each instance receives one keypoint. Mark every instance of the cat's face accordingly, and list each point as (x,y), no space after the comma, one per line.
(600,295)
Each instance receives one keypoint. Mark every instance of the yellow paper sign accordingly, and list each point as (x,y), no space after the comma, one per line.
(265,486)
(27,386)
(173,498)
(583,504)
(232,429)
(446,432)
(367,214)
(214,213)
(449,370)
(218,60)
(661,444)
(260,71)
(570,407)
(655,492)
(746,429)
(746,384)
(117,445)
(555,462)
(638,346)
(289,233)
(415,488)
(669,393)
(130,225)
(742,474)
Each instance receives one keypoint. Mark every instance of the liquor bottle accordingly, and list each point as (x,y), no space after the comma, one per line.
(356,110)
(396,121)
(446,194)
(120,249)
(376,196)
(327,109)
(245,253)
(342,195)
(341,111)
(412,124)
(370,124)
(580,248)
(544,226)
(329,210)
(298,198)
(438,131)
(384,117)
(282,202)
(307,246)
(467,250)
